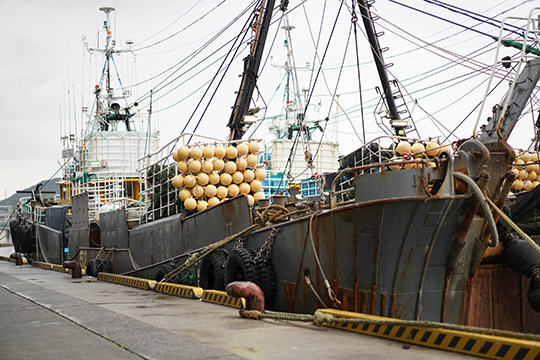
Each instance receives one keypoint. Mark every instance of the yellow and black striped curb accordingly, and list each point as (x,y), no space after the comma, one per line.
(48,266)
(127,280)
(191,292)
(54,267)
(476,344)
(221,297)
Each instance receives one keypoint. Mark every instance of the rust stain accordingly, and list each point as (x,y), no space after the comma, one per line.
(373,299)
(289,289)
(383,304)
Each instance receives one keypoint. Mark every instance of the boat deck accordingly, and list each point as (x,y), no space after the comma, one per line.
(46,314)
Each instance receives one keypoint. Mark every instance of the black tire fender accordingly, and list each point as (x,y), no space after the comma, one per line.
(92,268)
(161,272)
(213,274)
(240,266)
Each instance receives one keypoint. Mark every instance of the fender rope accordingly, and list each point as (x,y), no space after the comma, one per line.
(481,199)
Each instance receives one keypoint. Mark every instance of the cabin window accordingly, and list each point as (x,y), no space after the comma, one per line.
(129,190)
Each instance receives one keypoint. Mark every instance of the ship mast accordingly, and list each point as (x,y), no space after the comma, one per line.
(109,112)
(109,45)
(381,68)
(251,69)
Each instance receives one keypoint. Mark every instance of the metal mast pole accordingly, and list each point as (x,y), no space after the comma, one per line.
(251,69)
(377,55)
(108,50)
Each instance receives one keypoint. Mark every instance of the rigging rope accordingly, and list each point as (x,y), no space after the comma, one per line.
(187,27)
(354,23)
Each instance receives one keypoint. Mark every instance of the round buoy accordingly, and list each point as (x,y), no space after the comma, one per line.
(208,152)
(190,181)
(237,177)
(190,204)
(207,167)
(222,192)
(403,148)
(254,147)
(197,191)
(195,153)
(519,162)
(249,175)
(251,160)
(195,166)
(178,181)
(244,188)
(251,199)
(407,166)
(184,194)
(255,186)
(526,157)
(527,185)
(201,205)
(182,152)
(213,201)
(432,148)
(418,149)
(446,148)
(175,156)
(394,164)
(213,178)
(515,172)
(219,152)
(241,164)
(182,167)
(233,190)
(225,179)
(259,195)
(534,157)
(232,152)
(260,174)
(230,167)
(210,191)
(219,165)
(522,174)
(202,179)
(535,184)
(243,149)
(518,184)
(532,175)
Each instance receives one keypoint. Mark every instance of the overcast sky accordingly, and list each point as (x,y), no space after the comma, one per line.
(43,58)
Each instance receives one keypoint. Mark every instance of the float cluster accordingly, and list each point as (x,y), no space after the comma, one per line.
(212,173)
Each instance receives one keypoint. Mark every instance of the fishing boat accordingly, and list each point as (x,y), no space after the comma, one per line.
(403,229)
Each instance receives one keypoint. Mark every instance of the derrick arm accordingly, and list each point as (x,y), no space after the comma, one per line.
(500,125)
(251,69)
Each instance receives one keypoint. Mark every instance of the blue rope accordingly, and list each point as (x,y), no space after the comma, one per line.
(441,18)
(477,17)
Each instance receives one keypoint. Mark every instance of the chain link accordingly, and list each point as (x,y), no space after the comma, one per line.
(104,255)
(267,247)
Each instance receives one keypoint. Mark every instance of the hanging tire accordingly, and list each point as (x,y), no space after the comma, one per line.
(267,281)
(240,266)
(92,268)
(161,272)
(213,274)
